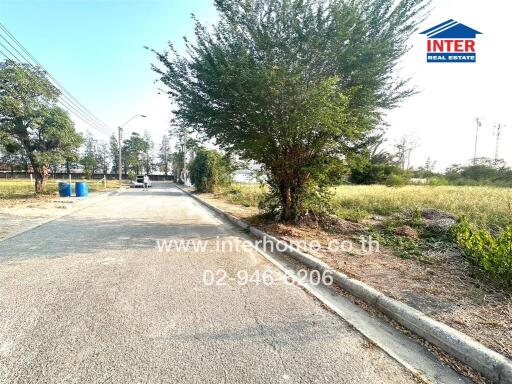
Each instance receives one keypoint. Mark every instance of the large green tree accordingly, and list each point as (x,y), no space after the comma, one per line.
(298,86)
(31,119)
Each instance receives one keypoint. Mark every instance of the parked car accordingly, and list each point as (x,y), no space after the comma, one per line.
(139,182)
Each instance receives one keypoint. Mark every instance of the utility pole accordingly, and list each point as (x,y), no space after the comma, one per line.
(120,131)
(184,146)
(478,125)
(498,136)
(165,144)
(119,166)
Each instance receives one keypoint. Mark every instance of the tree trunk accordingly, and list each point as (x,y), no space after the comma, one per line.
(288,199)
(41,176)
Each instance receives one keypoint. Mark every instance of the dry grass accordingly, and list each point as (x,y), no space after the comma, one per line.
(483,206)
(248,195)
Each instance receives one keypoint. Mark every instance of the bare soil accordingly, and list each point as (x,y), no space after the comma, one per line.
(445,288)
(17,215)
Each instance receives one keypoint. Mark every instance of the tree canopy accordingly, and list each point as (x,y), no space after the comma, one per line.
(297,86)
(134,151)
(31,120)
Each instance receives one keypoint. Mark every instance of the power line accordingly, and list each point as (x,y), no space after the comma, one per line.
(66,99)
(66,102)
(62,101)
(64,90)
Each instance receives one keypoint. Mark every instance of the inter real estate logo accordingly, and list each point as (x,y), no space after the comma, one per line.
(451,42)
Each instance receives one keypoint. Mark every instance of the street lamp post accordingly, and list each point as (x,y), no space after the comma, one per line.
(120,130)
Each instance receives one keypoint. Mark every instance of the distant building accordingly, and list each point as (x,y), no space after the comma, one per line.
(244,176)
(417,180)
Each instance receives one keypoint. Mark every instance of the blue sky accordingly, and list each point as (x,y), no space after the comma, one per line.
(95,49)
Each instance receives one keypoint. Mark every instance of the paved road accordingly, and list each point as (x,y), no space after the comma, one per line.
(90,298)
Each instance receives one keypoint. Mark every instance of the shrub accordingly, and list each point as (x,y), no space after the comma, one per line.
(209,169)
(373,173)
(396,181)
(491,253)
(437,181)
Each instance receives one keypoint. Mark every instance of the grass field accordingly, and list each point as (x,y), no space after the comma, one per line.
(483,206)
(24,188)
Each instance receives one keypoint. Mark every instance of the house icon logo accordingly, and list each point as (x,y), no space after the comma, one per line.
(451,42)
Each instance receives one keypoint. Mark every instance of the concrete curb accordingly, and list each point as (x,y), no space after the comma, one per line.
(489,363)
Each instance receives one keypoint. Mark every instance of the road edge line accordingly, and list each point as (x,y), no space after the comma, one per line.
(489,363)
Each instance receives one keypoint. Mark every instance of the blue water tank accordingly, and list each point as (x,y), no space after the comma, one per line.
(81,189)
(65,189)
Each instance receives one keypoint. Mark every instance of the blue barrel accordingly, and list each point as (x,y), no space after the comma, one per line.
(65,189)
(81,189)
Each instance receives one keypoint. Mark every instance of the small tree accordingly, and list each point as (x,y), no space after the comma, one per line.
(178,163)
(103,157)
(185,149)
(164,155)
(114,153)
(30,118)
(209,169)
(89,159)
(148,153)
(297,86)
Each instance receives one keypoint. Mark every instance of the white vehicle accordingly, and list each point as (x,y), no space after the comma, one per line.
(139,182)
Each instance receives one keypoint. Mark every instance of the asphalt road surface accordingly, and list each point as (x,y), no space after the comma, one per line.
(91,298)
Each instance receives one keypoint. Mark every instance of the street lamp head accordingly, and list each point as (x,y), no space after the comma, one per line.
(143,116)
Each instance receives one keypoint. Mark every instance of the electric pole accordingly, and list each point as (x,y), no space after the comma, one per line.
(498,136)
(119,166)
(478,125)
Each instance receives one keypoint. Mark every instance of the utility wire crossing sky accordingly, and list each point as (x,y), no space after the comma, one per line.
(96,50)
